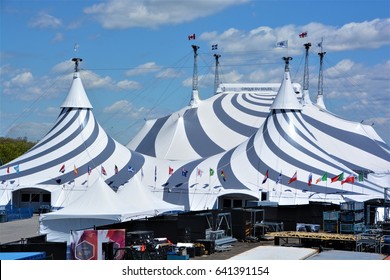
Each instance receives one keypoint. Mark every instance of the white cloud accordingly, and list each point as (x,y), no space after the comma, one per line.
(143,69)
(125,109)
(126,84)
(44,20)
(121,14)
(58,37)
(169,73)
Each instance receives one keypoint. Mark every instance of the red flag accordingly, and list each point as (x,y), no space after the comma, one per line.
(104,171)
(349,179)
(62,169)
(191,36)
(303,35)
(116,169)
(339,177)
(170,170)
(8,170)
(310,179)
(293,178)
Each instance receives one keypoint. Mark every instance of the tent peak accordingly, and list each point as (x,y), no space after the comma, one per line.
(286,97)
(77,97)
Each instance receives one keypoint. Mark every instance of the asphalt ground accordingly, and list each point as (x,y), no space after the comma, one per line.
(18,229)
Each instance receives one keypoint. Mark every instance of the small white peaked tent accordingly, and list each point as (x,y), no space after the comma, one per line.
(99,205)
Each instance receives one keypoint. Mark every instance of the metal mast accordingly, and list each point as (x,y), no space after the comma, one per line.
(76,64)
(320,94)
(287,60)
(216,81)
(195,93)
(306,96)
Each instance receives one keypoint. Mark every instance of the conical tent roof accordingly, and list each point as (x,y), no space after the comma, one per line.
(75,147)
(286,99)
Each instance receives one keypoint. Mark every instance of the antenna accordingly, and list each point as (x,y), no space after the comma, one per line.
(216,79)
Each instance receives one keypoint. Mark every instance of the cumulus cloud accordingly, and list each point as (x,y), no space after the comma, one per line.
(143,69)
(121,14)
(125,108)
(44,20)
(127,84)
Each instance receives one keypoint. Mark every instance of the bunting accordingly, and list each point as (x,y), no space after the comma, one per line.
(89,170)
(130,169)
(199,172)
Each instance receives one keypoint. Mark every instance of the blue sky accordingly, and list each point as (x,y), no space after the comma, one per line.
(137,59)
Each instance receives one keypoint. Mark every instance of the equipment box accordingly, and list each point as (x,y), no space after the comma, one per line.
(139,237)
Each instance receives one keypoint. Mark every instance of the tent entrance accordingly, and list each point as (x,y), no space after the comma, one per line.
(234,201)
(35,198)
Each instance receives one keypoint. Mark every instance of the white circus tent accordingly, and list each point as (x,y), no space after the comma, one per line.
(57,170)
(292,140)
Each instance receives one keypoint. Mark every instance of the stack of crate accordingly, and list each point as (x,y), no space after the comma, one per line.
(331,221)
(352,217)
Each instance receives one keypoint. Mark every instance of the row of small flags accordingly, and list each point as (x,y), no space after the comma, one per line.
(199,172)
(349,179)
(103,170)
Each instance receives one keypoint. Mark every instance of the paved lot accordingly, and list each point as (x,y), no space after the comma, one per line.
(15,230)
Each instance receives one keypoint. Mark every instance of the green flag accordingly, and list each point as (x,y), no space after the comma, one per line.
(361,177)
(211,172)
(324,177)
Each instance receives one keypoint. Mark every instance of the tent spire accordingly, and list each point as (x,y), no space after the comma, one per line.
(77,97)
(195,94)
(320,95)
(286,98)
(306,96)
(216,79)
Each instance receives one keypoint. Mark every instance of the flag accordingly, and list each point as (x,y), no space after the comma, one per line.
(319,44)
(303,35)
(360,177)
(75,170)
(293,178)
(62,169)
(323,178)
(8,170)
(142,173)
(211,172)
(339,177)
(130,169)
(191,36)
(214,47)
(265,177)
(184,172)
(279,179)
(155,173)
(199,172)
(16,167)
(310,179)
(349,179)
(116,170)
(89,170)
(170,170)
(104,171)
(223,175)
(282,44)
